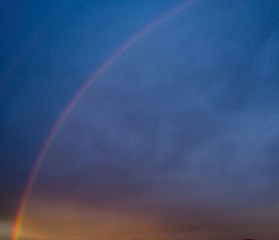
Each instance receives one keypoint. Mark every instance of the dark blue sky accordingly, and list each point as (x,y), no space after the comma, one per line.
(48,50)
(183,128)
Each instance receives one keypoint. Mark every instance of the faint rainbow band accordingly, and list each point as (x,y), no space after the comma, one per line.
(102,68)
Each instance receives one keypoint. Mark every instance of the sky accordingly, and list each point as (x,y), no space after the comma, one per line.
(177,138)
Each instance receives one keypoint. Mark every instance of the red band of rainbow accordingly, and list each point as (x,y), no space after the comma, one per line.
(135,38)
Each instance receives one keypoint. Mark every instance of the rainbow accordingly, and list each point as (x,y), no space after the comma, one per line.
(102,68)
